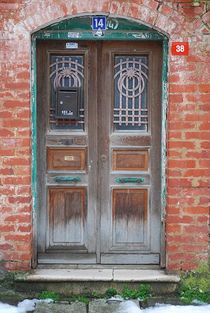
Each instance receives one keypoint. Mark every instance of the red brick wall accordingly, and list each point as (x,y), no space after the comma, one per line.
(188,141)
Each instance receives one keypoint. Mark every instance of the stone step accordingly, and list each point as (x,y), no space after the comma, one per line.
(86,281)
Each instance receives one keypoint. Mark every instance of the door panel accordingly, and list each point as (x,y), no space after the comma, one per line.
(129,160)
(66,159)
(130,215)
(99,152)
(67,147)
(130,177)
(68,213)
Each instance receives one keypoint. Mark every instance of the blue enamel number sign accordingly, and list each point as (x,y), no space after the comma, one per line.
(99,22)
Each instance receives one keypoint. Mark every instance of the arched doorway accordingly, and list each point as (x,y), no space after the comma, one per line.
(99,143)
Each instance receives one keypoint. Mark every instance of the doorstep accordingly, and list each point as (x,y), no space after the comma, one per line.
(98,275)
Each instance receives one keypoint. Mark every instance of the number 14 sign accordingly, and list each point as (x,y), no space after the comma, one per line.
(99,22)
(180,48)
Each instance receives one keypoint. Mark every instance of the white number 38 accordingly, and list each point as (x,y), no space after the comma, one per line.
(179,48)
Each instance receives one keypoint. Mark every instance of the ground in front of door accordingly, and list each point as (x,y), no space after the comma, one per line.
(99,306)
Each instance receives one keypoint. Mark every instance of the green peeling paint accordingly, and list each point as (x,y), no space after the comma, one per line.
(108,35)
(79,28)
(164,120)
(34,126)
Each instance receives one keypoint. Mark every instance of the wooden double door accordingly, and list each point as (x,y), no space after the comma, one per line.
(98,124)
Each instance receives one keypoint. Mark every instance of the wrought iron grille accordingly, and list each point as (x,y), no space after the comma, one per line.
(130,93)
(66,71)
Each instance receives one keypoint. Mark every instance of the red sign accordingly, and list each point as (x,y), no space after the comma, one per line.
(180,48)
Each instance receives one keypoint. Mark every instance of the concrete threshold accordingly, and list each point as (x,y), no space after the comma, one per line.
(98,275)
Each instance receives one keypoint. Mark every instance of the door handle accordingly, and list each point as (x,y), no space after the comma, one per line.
(69,179)
(103,158)
(125,180)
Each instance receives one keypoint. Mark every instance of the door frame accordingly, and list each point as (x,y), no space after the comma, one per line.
(135,34)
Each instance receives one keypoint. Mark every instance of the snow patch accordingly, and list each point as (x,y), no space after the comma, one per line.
(23,307)
(168,308)
(131,307)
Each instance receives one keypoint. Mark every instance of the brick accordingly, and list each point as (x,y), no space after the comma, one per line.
(5,246)
(197,172)
(196,210)
(176,88)
(16,161)
(205,145)
(6,133)
(7,228)
(182,163)
(197,135)
(24,218)
(179,219)
(24,229)
(204,98)
(17,85)
(173,228)
(181,125)
(11,104)
(17,237)
(19,199)
(19,123)
(204,164)
(176,98)
(205,125)
(23,75)
(204,88)
(181,144)
(196,229)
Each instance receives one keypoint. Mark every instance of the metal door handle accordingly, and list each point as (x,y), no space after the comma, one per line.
(103,158)
(69,179)
(124,180)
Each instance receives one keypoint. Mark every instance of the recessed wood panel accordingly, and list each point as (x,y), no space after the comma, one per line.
(67,216)
(66,159)
(130,160)
(129,215)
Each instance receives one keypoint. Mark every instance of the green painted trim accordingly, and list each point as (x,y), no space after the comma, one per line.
(125,180)
(69,179)
(164,126)
(34,126)
(85,35)
(34,150)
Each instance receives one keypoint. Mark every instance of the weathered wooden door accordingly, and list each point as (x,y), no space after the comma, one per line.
(98,125)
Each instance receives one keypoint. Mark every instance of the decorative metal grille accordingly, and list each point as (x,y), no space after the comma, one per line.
(130,99)
(66,71)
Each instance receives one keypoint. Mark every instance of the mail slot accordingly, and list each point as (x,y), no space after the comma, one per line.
(68,103)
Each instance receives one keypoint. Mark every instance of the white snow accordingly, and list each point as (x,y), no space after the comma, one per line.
(125,307)
(131,307)
(167,308)
(23,307)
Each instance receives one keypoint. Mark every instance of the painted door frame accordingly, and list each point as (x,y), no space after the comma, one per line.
(84,34)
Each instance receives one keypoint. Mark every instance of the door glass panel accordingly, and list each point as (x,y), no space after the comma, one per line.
(66,92)
(130,93)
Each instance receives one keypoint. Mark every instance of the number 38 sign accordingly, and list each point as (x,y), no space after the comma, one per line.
(180,48)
